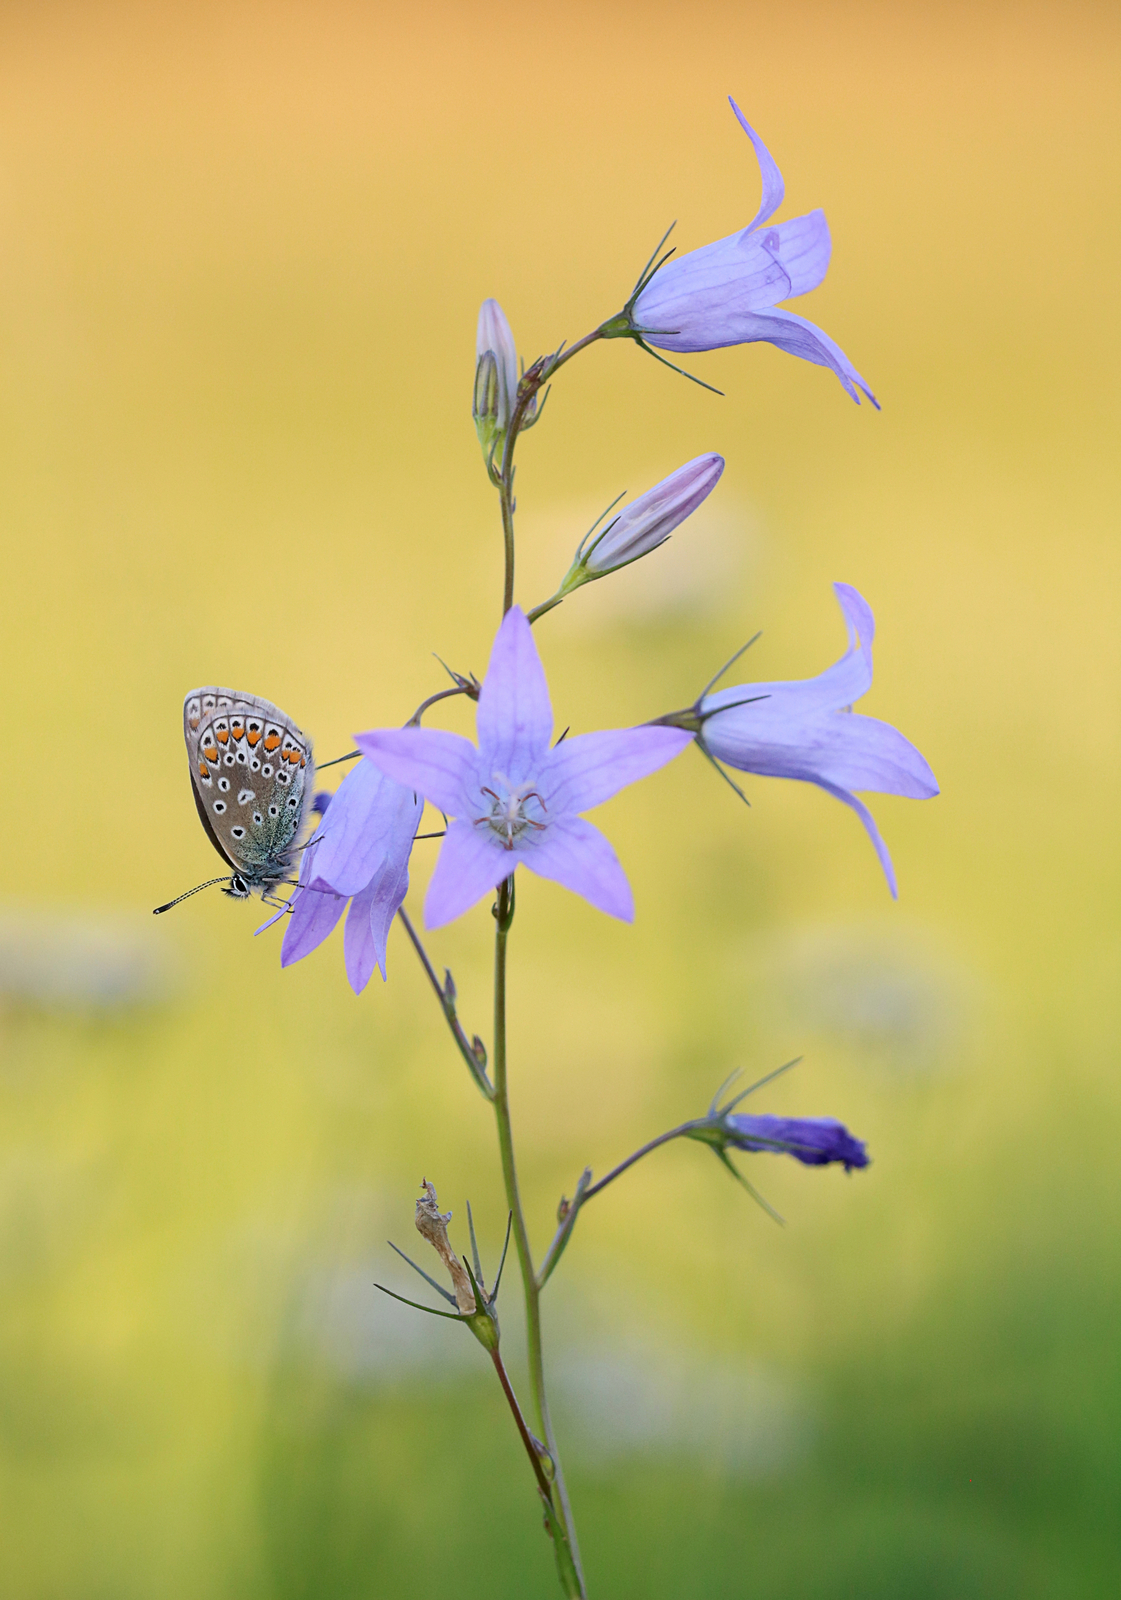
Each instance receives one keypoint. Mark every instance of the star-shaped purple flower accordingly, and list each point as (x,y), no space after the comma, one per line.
(728,292)
(360,854)
(514,799)
(807,730)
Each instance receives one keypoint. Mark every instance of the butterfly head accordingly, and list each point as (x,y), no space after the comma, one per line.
(237,888)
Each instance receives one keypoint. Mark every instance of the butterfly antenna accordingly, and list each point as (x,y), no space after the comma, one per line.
(209,884)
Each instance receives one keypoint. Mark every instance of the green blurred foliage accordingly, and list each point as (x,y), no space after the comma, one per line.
(244,247)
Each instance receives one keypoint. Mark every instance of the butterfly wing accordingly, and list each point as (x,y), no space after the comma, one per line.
(251,775)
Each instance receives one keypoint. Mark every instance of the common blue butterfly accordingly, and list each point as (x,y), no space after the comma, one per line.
(251,776)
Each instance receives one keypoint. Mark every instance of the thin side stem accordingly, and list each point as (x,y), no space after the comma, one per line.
(504,915)
(617,1172)
(585,1191)
(472,1050)
(527,1438)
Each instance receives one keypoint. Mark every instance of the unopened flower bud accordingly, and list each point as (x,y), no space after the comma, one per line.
(648,521)
(495,338)
(484,405)
(814,1141)
(645,524)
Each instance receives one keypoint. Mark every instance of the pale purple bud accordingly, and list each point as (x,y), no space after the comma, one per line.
(494,335)
(648,521)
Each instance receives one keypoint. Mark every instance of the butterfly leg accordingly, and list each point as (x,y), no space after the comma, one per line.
(268,898)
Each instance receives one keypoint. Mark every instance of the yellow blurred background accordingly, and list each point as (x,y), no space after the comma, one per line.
(242,248)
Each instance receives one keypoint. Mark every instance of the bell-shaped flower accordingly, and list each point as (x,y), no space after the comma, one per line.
(645,524)
(728,292)
(807,730)
(494,335)
(514,800)
(360,853)
(815,1141)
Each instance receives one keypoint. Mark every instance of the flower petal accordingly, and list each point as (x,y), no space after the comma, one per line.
(356,828)
(515,719)
(359,950)
(839,685)
(471,861)
(836,747)
(800,337)
(587,770)
(773,187)
(315,911)
(434,763)
(707,298)
(871,829)
(387,896)
(575,854)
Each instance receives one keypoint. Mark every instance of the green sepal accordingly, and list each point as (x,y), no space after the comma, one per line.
(483,1321)
(452,1316)
(723,1157)
(439,1288)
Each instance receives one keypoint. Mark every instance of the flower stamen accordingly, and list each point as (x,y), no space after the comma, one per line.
(506,815)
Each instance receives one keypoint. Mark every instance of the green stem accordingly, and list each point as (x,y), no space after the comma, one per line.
(540,372)
(564,1535)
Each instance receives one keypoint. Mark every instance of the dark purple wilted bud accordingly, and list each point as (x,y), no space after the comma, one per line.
(815,1141)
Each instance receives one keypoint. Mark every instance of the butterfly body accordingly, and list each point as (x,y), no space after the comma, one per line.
(251,776)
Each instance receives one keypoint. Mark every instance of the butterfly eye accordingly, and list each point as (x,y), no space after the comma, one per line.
(274,811)
(255,765)
(238,833)
(219,806)
(266,770)
(223,784)
(293,801)
(258,818)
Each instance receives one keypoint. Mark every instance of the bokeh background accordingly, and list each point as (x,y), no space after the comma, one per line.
(243,247)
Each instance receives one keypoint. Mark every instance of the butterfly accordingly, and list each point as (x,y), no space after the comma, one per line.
(251,776)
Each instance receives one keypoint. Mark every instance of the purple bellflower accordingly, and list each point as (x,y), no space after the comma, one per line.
(814,1141)
(360,854)
(807,730)
(514,800)
(728,292)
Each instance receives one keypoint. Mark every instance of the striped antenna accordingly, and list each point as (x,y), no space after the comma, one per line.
(209,884)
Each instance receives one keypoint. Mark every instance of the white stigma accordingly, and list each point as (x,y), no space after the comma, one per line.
(506,810)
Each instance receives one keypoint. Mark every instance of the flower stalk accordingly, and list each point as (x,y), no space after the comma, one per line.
(562,1528)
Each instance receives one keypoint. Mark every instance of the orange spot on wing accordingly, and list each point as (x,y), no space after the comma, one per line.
(272,741)
(204,770)
(238,729)
(253,735)
(303,763)
(210,751)
(292,755)
(223,735)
